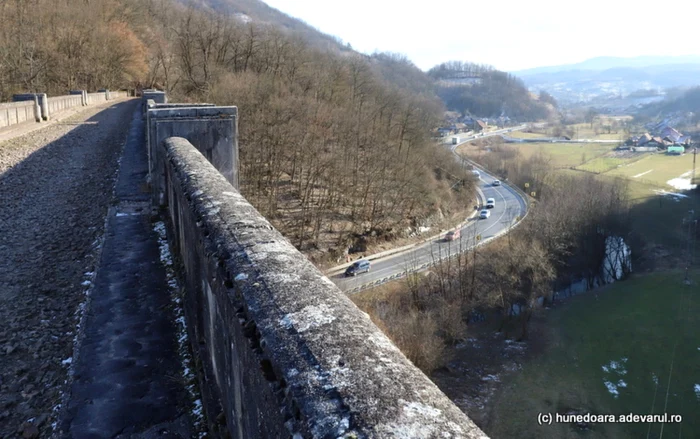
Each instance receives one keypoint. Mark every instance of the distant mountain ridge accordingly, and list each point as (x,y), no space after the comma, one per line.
(604,81)
(608,62)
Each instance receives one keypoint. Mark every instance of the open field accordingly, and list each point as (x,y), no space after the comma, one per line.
(630,347)
(584,131)
(658,209)
(657,168)
(565,154)
(602,164)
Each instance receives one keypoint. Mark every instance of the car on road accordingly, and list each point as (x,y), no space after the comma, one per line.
(452,235)
(484,214)
(361,266)
(497,182)
(490,203)
(476,173)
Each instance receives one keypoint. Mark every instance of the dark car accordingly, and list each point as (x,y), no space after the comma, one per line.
(358,267)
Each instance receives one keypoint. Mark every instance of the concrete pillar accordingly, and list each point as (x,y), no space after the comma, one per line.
(44,103)
(159,97)
(212,130)
(30,97)
(83,96)
(105,91)
(37,109)
(152,105)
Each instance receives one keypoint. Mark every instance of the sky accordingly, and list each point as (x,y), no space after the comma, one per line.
(507,34)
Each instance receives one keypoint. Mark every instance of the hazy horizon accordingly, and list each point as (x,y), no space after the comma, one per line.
(513,36)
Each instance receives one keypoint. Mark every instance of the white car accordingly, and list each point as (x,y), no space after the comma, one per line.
(490,203)
(497,182)
(484,214)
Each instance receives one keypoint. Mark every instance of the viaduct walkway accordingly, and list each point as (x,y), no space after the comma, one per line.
(280,351)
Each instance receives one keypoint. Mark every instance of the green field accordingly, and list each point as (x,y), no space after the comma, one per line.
(564,154)
(641,336)
(602,164)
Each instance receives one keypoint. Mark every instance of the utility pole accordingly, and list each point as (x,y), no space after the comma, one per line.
(695,237)
(695,153)
(691,213)
(691,244)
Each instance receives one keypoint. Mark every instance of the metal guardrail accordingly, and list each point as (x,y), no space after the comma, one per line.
(425,266)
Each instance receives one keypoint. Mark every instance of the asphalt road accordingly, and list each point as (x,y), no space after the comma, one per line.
(509,205)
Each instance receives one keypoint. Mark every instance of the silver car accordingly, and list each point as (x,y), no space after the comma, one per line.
(361,266)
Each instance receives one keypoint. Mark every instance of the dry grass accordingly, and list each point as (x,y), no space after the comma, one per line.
(422,334)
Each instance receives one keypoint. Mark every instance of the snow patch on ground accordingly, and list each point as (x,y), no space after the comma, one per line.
(512,344)
(675,195)
(683,182)
(614,371)
(612,388)
(181,328)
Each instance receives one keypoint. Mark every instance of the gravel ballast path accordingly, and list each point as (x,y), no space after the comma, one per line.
(128,376)
(55,188)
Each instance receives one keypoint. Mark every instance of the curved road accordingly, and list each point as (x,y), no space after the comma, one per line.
(508,208)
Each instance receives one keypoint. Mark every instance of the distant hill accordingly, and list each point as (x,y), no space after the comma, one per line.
(483,91)
(689,101)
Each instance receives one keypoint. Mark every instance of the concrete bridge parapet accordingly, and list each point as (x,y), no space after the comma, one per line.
(284,352)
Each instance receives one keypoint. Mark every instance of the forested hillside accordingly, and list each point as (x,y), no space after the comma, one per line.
(687,101)
(333,144)
(260,13)
(53,46)
(483,91)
